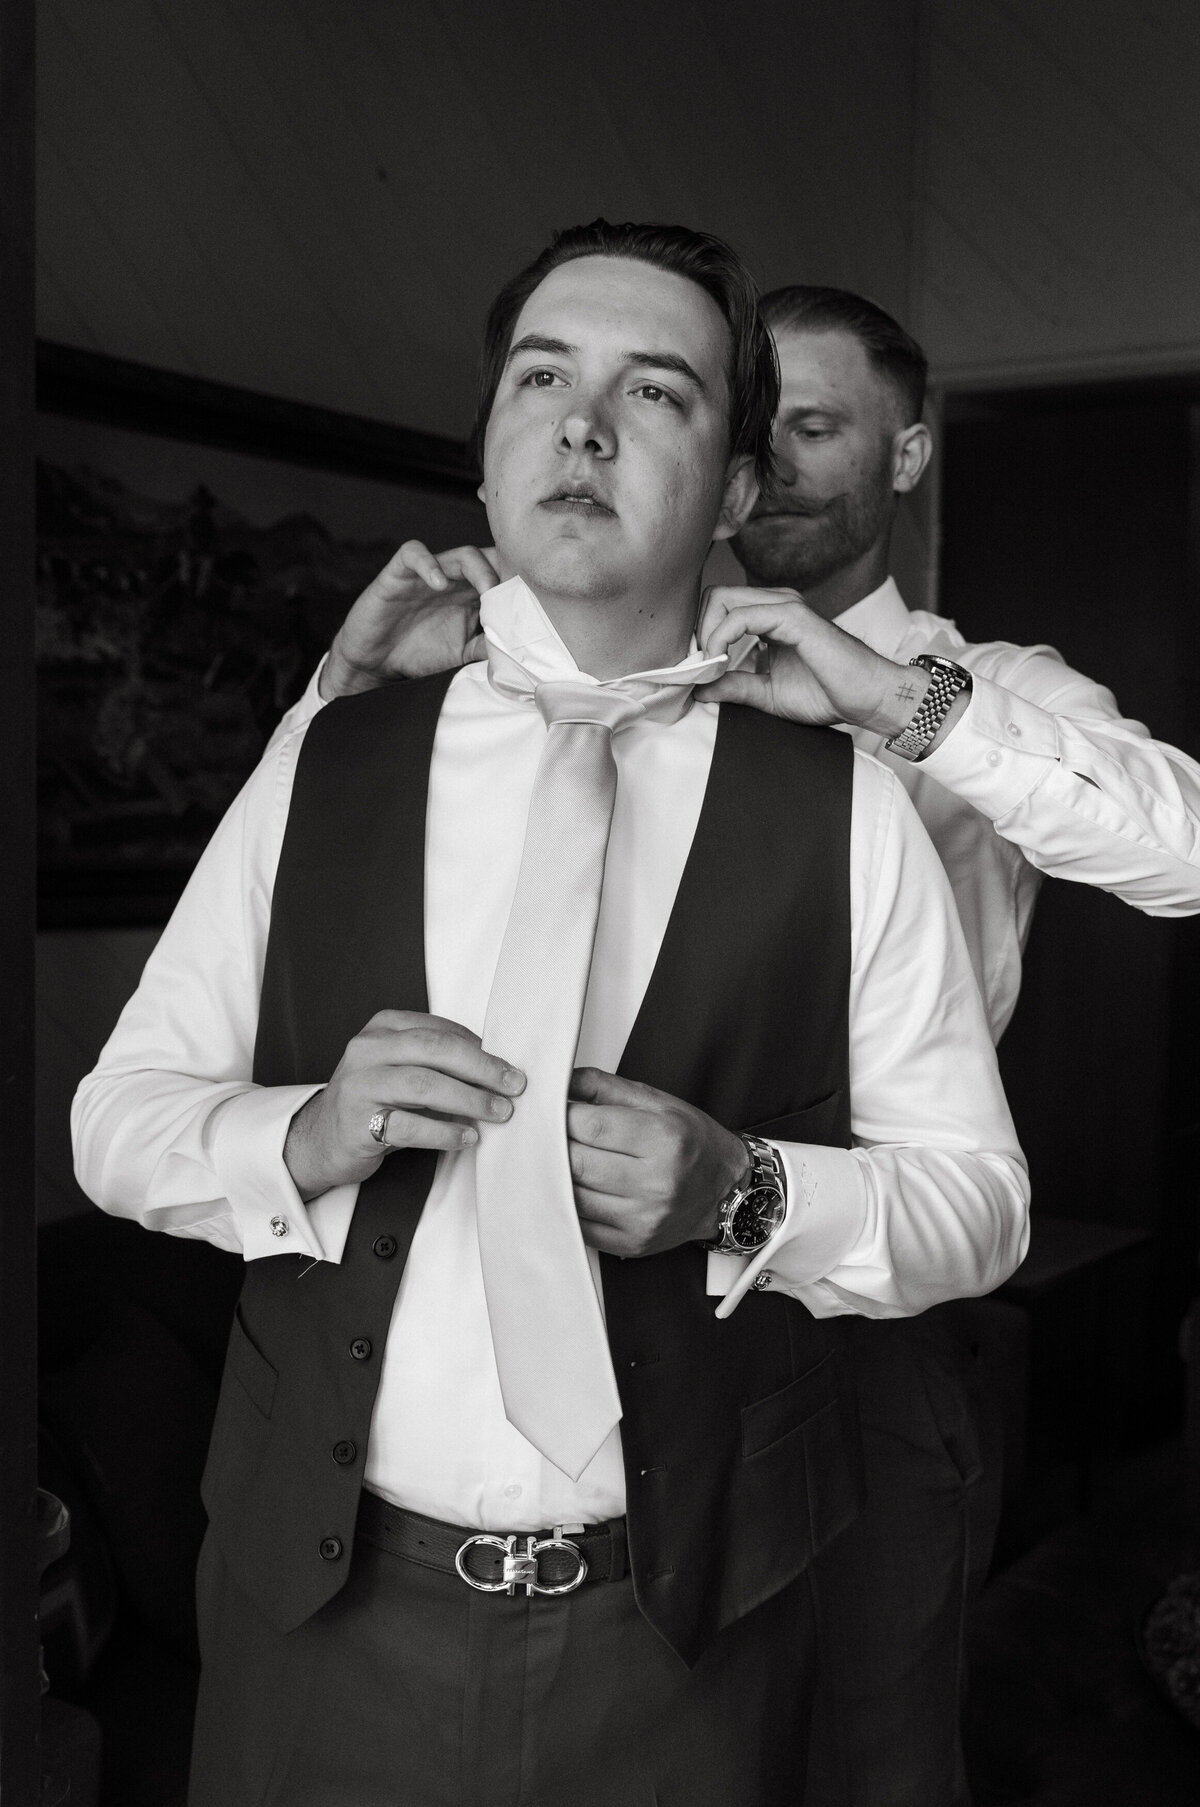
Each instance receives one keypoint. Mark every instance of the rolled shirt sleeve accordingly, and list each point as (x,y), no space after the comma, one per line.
(931,1201)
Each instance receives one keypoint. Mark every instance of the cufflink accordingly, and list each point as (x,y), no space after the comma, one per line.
(280,1226)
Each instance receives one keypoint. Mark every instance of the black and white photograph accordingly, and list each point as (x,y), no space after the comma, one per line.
(600,894)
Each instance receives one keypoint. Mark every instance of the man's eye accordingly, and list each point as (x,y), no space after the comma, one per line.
(540,379)
(653,393)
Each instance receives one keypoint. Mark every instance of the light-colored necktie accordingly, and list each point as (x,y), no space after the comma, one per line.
(552,1355)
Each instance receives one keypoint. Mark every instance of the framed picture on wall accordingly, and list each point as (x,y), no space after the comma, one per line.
(197,548)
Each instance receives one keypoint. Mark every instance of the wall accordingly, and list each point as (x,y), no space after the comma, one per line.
(1058,189)
(318,201)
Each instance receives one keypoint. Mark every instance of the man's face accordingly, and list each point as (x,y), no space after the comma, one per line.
(833,443)
(606,454)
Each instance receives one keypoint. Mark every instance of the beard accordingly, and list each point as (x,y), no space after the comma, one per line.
(806,541)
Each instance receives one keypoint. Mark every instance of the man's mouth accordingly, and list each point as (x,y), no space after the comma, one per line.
(577,498)
(775,511)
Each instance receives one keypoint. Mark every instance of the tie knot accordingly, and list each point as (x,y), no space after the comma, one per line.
(529,664)
(568,700)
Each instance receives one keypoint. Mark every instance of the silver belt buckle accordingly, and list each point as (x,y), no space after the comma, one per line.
(521,1566)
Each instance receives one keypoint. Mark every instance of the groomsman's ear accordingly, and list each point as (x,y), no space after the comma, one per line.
(912,448)
(741,493)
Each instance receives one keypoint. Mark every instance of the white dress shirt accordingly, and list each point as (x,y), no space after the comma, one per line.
(930,1203)
(1041,774)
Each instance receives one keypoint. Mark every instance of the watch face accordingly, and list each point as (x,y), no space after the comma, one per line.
(757,1217)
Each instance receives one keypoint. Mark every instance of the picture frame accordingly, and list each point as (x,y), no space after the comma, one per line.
(198,546)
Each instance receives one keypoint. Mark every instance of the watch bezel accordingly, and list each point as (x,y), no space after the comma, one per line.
(767,1217)
(765,1183)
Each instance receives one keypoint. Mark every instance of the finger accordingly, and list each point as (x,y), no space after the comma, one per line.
(408,1129)
(712,609)
(605,1238)
(600,1209)
(471,565)
(591,1085)
(420,1019)
(782,620)
(415,557)
(455,1056)
(403,1021)
(747,654)
(405,1038)
(611,1126)
(750,687)
(618,1176)
(427,1089)
(720,600)
(476,648)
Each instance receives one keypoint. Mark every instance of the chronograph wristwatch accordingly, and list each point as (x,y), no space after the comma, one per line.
(753,1209)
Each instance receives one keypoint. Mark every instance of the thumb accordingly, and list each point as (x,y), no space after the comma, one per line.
(750,687)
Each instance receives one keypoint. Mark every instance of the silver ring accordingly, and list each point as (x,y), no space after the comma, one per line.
(378,1126)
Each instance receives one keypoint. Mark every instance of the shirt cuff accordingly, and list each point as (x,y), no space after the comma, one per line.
(247,1136)
(826,1218)
(301,711)
(998,750)
(311,700)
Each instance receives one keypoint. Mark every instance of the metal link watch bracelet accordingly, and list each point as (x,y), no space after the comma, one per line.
(949,681)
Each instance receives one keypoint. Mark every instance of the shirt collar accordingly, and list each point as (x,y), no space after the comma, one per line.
(880,619)
(515,625)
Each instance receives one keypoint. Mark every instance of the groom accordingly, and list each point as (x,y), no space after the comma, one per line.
(529,1428)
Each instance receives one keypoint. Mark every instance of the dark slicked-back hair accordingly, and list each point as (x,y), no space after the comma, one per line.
(895,355)
(752,370)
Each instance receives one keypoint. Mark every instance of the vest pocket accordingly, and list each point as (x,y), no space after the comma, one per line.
(766,1422)
(815,1123)
(246,1362)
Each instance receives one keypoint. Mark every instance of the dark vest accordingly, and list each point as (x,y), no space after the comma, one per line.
(739,1444)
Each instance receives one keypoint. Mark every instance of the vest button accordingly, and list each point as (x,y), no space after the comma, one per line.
(330,1548)
(385,1247)
(343,1453)
(360,1348)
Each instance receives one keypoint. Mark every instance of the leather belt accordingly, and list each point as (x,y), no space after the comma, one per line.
(541,1562)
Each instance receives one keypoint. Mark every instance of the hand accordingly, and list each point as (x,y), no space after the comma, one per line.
(815,672)
(418,617)
(649,1170)
(431,1075)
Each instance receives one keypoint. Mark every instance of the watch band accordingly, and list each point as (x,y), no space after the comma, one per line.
(949,680)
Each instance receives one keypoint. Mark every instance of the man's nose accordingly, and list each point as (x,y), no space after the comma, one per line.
(586,427)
